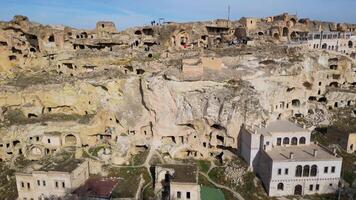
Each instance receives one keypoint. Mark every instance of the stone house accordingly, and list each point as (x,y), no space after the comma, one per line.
(177,182)
(55,180)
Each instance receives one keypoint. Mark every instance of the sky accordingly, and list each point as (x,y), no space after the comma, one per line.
(129,13)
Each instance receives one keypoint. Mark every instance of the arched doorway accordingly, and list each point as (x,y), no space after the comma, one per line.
(298,190)
(293,21)
(294,141)
(324,46)
(286,140)
(285,32)
(70,140)
(302,140)
(276,35)
(35,151)
(294,35)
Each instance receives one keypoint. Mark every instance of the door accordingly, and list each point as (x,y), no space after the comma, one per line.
(298,190)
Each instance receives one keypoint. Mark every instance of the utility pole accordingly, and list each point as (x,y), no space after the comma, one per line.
(228,12)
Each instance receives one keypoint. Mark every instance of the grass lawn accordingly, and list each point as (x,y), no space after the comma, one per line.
(8,189)
(140,158)
(129,180)
(203,165)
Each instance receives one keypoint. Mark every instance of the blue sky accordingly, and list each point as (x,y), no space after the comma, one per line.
(127,13)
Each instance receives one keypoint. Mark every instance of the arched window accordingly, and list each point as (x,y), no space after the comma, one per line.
(314,170)
(280,186)
(285,32)
(285,140)
(298,171)
(294,141)
(306,170)
(302,140)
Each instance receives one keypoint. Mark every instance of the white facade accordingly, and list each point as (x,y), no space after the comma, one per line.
(288,163)
(333,41)
(184,191)
(180,182)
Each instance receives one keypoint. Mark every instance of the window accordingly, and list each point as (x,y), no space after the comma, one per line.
(188,195)
(267,143)
(286,171)
(306,170)
(280,186)
(56,184)
(38,182)
(285,140)
(279,141)
(326,169)
(333,169)
(28,186)
(179,195)
(22,184)
(311,187)
(317,187)
(314,170)
(49,141)
(330,184)
(294,141)
(302,140)
(44,183)
(279,171)
(63,185)
(298,171)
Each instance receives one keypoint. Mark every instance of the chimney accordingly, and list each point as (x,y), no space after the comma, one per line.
(315,152)
(334,151)
(291,155)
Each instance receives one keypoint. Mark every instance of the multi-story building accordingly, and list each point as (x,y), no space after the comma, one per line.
(287,162)
(52,181)
(342,42)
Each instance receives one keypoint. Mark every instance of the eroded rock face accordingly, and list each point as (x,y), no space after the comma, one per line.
(180,88)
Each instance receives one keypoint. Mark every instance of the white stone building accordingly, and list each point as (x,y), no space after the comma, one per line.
(52,181)
(179,182)
(286,161)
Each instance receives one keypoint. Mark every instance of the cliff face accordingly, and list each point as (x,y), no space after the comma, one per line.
(140,88)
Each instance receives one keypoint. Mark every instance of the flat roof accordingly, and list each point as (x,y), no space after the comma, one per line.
(183,173)
(65,166)
(301,153)
(280,126)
